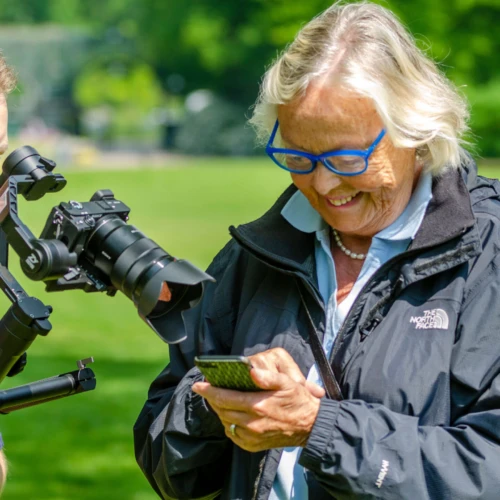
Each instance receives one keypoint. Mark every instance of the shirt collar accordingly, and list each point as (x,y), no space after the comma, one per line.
(301,215)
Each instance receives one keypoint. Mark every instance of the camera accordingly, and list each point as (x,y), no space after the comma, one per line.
(104,253)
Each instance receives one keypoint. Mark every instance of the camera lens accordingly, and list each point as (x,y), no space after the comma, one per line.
(138,267)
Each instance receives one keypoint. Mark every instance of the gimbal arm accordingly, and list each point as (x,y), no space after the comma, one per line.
(28,316)
(25,319)
(40,259)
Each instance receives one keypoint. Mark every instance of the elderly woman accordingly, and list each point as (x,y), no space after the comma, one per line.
(384,253)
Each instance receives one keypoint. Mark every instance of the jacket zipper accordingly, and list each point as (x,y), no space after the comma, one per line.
(369,329)
(261,253)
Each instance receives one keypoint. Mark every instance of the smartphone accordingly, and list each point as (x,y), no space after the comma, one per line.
(228,372)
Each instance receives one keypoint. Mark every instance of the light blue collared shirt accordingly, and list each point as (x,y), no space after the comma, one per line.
(290,481)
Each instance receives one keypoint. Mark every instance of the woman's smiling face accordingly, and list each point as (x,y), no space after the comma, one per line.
(329,118)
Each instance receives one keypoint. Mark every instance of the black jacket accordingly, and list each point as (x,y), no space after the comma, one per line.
(417,359)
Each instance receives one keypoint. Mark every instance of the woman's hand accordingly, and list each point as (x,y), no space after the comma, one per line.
(279,361)
(281,416)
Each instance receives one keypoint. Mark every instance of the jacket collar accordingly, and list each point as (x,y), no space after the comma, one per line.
(449,213)
(274,239)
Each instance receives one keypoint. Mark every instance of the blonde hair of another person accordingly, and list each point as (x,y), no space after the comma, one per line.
(7,77)
(365,48)
(7,84)
(3,470)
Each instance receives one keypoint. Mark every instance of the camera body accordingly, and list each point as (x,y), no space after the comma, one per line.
(75,220)
(73,223)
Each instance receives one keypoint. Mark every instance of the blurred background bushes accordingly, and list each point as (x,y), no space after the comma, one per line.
(215,127)
(117,102)
(120,72)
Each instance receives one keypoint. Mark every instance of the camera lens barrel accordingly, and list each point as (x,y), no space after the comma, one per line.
(138,267)
(135,264)
(122,252)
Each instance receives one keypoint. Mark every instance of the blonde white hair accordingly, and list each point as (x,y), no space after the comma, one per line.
(368,51)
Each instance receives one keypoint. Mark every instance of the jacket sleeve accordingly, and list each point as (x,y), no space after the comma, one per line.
(367,451)
(180,444)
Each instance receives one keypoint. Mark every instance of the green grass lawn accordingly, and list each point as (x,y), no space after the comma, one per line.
(81,447)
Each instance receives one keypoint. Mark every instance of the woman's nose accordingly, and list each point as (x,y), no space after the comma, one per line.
(324,180)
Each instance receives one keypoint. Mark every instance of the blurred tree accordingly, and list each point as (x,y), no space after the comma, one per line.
(462,35)
(224,45)
(119,102)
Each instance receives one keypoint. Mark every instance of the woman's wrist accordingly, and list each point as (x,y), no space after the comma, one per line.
(310,420)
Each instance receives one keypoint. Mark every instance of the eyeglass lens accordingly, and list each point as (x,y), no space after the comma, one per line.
(342,163)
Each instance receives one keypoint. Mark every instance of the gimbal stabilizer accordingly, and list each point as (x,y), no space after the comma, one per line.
(28,316)
(88,246)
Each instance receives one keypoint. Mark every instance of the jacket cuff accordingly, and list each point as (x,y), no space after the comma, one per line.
(321,435)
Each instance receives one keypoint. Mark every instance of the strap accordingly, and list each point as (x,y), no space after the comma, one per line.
(330,383)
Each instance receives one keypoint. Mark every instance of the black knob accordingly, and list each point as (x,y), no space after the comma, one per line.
(48,163)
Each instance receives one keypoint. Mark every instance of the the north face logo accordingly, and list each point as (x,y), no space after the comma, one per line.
(433,318)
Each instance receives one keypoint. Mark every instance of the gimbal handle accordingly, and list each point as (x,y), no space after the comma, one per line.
(42,391)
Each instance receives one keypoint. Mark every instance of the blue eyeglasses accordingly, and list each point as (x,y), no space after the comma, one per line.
(346,162)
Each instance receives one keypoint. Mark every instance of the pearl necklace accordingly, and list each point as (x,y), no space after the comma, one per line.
(358,256)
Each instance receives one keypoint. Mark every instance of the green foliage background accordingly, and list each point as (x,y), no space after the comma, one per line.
(224,45)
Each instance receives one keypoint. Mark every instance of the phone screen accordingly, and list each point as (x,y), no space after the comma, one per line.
(228,372)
